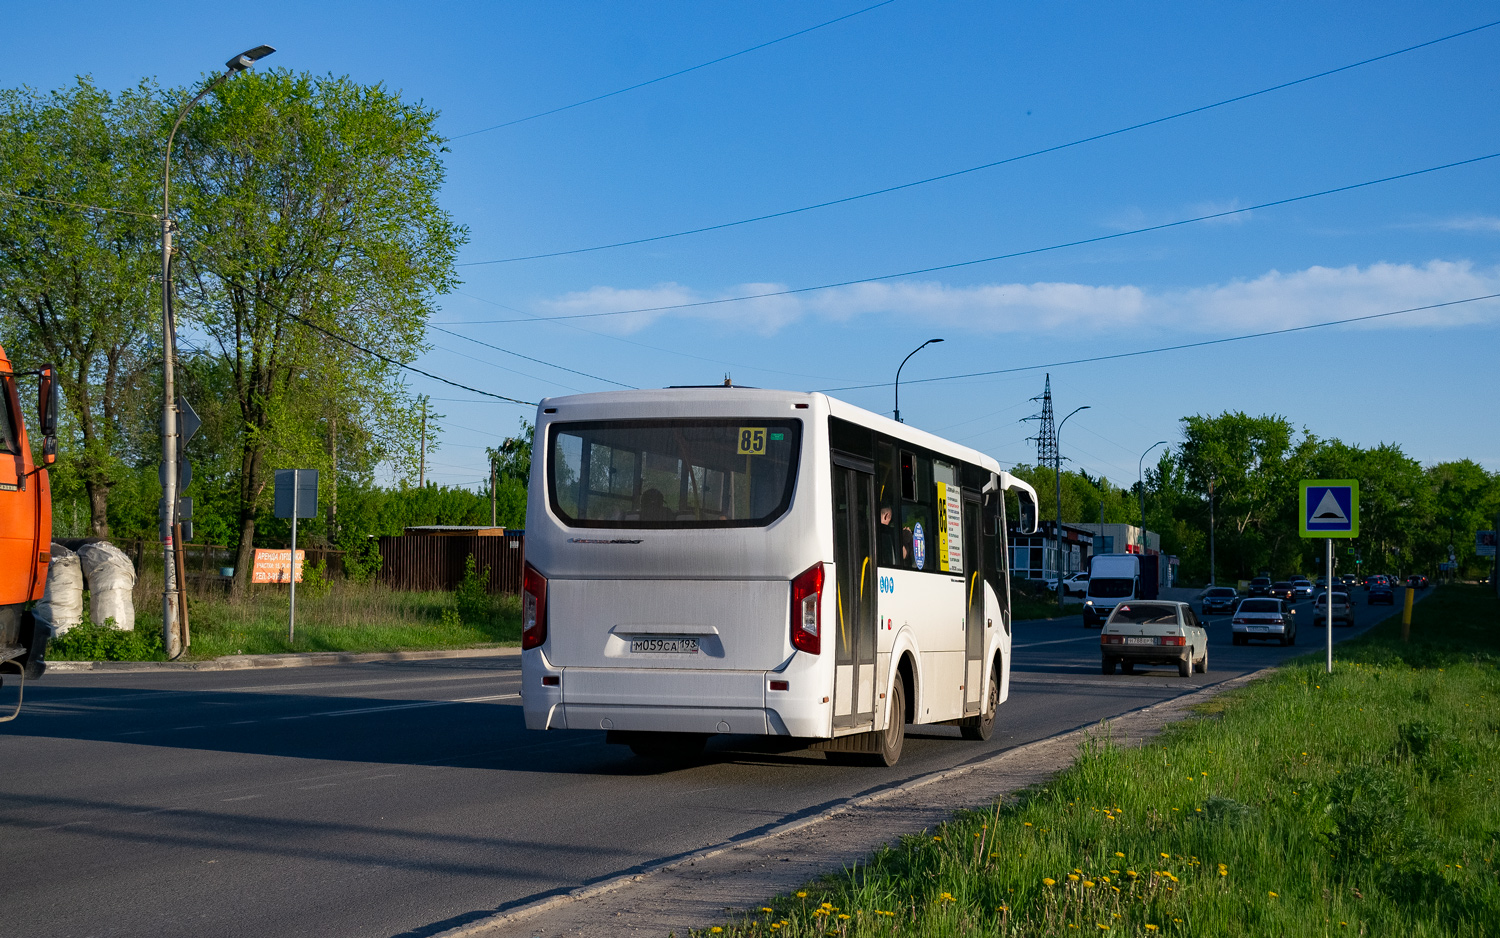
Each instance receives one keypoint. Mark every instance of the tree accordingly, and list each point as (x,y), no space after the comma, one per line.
(79,281)
(310,221)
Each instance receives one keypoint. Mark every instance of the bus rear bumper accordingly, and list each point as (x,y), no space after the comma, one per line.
(662,701)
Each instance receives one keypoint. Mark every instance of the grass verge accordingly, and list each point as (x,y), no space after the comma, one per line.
(1361,803)
(337,616)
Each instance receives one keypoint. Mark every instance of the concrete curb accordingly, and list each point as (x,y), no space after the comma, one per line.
(246,662)
(492,925)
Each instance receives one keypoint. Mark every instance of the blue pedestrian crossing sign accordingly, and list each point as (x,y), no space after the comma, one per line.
(1329,508)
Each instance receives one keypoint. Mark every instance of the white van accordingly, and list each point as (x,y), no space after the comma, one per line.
(1114,578)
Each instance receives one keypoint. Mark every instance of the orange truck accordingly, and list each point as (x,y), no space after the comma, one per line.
(25,523)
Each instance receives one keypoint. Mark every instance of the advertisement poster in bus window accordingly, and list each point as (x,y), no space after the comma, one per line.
(950,551)
(919,546)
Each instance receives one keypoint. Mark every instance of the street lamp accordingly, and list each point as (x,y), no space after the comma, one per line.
(169,430)
(1057,484)
(898,374)
(1140,474)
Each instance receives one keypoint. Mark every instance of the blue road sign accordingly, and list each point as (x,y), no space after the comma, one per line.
(1329,508)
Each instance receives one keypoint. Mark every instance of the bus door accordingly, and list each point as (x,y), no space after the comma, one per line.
(974,598)
(854,595)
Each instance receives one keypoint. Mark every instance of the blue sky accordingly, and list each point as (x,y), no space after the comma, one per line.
(906,91)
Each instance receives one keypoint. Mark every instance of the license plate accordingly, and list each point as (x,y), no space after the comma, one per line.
(1260,628)
(664,646)
(1140,641)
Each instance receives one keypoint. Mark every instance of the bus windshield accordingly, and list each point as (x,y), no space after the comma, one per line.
(672,473)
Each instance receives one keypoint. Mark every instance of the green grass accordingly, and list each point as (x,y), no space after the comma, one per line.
(1362,803)
(340,616)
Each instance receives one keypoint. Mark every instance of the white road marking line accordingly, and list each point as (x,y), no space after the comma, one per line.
(243,722)
(196,727)
(412,679)
(300,716)
(131,733)
(324,785)
(240,798)
(413,706)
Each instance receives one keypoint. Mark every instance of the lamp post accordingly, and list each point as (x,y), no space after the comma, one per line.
(1140,474)
(169,428)
(914,351)
(1057,485)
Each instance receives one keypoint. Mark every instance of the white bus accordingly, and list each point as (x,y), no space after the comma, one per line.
(730,560)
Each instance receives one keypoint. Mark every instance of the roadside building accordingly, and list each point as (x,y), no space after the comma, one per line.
(1034,556)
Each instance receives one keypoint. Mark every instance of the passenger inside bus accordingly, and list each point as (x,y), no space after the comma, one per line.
(894,545)
(654,506)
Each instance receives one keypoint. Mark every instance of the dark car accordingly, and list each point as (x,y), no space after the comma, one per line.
(1260,586)
(1417,581)
(1380,592)
(1220,599)
(1283,590)
(1350,581)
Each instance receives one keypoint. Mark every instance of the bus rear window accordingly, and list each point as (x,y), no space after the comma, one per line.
(672,473)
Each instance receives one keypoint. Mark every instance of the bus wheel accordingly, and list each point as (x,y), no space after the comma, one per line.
(983,726)
(668,747)
(894,738)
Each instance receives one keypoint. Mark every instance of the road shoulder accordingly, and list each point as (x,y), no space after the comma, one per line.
(301,660)
(710,885)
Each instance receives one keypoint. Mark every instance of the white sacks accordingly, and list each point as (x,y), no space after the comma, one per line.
(61,606)
(111,578)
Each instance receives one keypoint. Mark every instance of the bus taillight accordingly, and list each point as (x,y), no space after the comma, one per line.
(807,602)
(533,608)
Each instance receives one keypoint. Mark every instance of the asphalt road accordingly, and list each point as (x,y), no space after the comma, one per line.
(399,799)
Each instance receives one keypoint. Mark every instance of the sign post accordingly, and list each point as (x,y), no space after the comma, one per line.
(296,497)
(1329,509)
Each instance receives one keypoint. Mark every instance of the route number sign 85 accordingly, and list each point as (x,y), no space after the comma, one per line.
(752,441)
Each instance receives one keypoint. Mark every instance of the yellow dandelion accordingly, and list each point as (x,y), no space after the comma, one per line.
(1025,823)
(1166,856)
(717,930)
(993,855)
(1073,877)
(801,895)
(1104,879)
(766,908)
(1132,874)
(1119,854)
(939,839)
(1089,883)
(1048,881)
(1274,896)
(1002,908)
(843,915)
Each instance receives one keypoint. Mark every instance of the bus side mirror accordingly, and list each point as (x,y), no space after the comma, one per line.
(1028,511)
(46,412)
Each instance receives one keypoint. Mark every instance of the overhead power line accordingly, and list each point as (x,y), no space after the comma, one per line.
(990,165)
(1174,348)
(78,205)
(507,351)
(1000,257)
(684,71)
(391,361)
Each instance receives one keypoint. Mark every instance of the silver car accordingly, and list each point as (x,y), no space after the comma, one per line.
(1343,610)
(1153,632)
(1264,618)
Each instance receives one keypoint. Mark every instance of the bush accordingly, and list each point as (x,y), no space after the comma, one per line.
(472,598)
(88,641)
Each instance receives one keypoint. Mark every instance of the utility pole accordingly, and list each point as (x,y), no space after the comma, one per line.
(1057,483)
(333,488)
(1140,474)
(172,599)
(1212,569)
(422,459)
(493,517)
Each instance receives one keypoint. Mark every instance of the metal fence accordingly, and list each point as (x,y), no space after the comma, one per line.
(437,562)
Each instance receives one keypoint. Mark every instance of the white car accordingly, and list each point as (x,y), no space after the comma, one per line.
(1264,618)
(1343,610)
(1155,632)
(1075,584)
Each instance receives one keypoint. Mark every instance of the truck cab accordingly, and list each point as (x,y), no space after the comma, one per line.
(1117,578)
(25,523)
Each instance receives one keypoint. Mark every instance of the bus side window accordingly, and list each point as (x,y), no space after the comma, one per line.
(892,548)
(917,511)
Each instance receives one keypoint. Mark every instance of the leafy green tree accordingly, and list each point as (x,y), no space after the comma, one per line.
(79,283)
(310,212)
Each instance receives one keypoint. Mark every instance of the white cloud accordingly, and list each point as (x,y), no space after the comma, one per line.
(1483,223)
(1271,301)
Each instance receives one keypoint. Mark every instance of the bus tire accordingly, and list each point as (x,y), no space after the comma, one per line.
(982,727)
(893,740)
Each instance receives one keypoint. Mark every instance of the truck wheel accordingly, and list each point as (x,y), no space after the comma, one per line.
(1108,666)
(984,724)
(1184,666)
